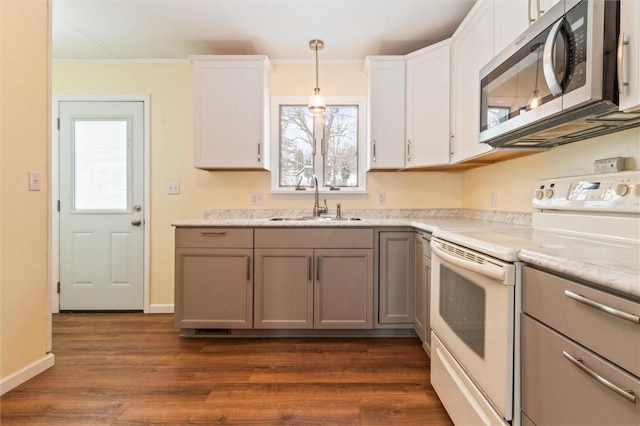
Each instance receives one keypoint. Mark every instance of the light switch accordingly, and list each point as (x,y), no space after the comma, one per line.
(34,181)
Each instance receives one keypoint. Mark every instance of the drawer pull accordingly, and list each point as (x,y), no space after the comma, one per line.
(604,308)
(626,394)
(213,233)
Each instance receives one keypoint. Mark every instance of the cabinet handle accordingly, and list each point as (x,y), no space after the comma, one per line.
(530,19)
(318,268)
(539,12)
(374,151)
(625,393)
(309,268)
(259,150)
(408,149)
(622,84)
(451,144)
(248,268)
(604,308)
(213,233)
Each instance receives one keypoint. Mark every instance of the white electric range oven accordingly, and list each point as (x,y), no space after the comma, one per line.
(475,291)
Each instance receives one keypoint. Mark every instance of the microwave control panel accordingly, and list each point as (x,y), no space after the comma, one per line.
(611,192)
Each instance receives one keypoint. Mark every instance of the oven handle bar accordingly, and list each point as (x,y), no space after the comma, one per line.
(495,272)
(604,308)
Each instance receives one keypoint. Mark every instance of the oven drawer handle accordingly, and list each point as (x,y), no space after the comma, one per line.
(626,394)
(495,272)
(604,308)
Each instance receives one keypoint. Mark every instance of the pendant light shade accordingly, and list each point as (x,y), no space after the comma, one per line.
(316,103)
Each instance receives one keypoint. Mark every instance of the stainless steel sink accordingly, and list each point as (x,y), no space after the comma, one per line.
(314,219)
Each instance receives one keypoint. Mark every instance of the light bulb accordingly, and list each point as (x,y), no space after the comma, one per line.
(535,100)
(316,103)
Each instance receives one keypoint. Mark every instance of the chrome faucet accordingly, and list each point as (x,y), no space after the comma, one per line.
(317,210)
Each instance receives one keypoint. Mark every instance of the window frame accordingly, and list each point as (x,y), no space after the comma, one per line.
(292,100)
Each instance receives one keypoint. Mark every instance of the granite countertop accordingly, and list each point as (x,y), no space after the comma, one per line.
(613,265)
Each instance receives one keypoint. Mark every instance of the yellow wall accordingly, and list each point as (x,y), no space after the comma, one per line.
(24,133)
(170,87)
(514,181)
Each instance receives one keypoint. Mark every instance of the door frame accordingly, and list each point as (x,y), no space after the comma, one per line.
(54,177)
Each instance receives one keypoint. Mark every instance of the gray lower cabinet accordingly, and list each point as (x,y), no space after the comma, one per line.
(580,354)
(421,290)
(396,278)
(313,278)
(283,288)
(213,278)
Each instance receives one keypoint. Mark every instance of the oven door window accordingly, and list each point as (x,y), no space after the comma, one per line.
(462,306)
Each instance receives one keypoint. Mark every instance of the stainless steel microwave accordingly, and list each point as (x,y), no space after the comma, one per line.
(557,82)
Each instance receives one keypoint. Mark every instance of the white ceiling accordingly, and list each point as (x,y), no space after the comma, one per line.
(280,29)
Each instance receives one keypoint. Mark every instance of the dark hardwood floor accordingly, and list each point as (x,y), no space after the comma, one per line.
(135,369)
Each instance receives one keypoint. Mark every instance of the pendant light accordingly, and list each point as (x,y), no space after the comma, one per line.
(535,100)
(316,104)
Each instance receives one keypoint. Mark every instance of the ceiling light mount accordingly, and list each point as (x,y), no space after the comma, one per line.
(317,104)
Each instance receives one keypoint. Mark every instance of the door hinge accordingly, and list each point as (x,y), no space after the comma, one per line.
(58,205)
(58,287)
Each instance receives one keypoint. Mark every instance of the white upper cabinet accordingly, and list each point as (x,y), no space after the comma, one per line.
(472,48)
(428,106)
(512,19)
(630,50)
(385,120)
(231,112)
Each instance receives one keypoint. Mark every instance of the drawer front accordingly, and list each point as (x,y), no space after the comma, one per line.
(566,307)
(557,392)
(314,238)
(214,237)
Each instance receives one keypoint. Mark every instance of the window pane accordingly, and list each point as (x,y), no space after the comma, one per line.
(296,145)
(100,165)
(341,150)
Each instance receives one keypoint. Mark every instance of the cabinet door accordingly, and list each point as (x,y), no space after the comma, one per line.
(557,388)
(231,112)
(396,278)
(428,106)
(420,293)
(630,27)
(512,19)
(472,48)
(283,288)
(386,112)
(343,289)
(214,288)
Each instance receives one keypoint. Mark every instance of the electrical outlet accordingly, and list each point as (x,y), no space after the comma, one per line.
(494,200)
(382,198)
(257,199)
(607,165)
(173,188)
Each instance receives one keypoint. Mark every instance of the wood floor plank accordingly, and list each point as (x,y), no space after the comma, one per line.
(136,369)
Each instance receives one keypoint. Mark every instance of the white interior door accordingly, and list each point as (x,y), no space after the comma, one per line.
(101,205)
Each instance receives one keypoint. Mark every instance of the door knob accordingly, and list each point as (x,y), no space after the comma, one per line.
(136,222)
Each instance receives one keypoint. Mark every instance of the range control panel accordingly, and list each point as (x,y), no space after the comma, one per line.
(610,192)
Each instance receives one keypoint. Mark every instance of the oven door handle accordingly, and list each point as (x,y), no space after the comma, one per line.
(495,272)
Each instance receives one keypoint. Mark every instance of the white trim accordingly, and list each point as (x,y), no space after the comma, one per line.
(26,373)
(167,308)
(55,190)
(120,61)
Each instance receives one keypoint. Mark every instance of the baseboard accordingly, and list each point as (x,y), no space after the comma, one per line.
(161,309)
(30,371)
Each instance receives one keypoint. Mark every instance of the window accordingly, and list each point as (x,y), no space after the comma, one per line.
(327,146)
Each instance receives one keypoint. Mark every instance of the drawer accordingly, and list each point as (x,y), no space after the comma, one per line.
(555,391)
(552,300)
(314,238)
(214,237)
